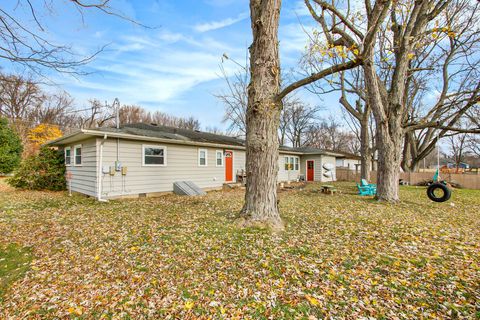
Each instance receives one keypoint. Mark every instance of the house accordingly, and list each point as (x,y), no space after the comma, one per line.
(146,159)
(349,161)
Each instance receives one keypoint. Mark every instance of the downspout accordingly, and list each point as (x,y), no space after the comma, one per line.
(100,166)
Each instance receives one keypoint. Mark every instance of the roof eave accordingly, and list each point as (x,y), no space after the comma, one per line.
(86,133)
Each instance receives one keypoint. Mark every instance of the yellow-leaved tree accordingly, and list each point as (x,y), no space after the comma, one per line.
(43,133)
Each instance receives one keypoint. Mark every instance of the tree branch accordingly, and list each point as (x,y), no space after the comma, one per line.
(317,76)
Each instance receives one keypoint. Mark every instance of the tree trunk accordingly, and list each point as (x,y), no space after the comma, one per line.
(389,157)
(389,134)
(263,117)
(365,148)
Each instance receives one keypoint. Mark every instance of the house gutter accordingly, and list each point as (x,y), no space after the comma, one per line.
(100,168)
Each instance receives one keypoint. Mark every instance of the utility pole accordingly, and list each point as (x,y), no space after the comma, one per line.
(116,105)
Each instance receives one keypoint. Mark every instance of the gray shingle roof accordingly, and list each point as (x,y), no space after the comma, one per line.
(164,132)
(177,134)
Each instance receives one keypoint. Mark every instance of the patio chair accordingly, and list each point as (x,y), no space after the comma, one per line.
(366,189)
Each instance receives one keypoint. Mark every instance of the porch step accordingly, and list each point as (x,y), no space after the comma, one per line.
(187,188)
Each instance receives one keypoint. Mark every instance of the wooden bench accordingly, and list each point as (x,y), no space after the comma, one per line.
(328,189)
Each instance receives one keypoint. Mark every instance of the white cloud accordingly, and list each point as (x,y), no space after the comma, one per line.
(299,10)
(158,72)
(214,25)
(294,37)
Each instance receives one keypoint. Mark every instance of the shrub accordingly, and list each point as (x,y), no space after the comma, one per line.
(10,148)
(45,171)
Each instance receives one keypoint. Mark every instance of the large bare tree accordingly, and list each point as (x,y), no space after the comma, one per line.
(411,27)
(264,108)
(400,32)
(444,87)
(263,116)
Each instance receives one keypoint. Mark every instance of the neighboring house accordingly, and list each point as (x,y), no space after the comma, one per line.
(144,159)
(349,161)
(461,165)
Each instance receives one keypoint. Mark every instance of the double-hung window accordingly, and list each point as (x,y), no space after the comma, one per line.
(287,163)
(68,156)
(77,150)
(297,164)
(202,157)
(154,155)
(219,158)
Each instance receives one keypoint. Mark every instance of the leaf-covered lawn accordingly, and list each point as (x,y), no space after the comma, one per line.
(14,262)
(341,256)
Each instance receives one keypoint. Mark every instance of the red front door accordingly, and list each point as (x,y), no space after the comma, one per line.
(228,166)
(310,170)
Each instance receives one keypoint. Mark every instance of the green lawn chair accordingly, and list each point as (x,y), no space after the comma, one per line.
(366,189)
(364,183)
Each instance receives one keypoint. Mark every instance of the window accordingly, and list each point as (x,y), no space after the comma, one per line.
(292,163)
(154,155)
(78,155)
(219,158)
(68,156)
(202,157)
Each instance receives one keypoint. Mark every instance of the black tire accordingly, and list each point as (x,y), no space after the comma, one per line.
(447,193)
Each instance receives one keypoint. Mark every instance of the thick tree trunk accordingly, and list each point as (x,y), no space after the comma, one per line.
(365,148)
(263,117)
(389,157)
(389,134)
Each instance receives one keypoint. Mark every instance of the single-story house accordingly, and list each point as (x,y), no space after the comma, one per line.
(145,159)
(348,161)
(351,161)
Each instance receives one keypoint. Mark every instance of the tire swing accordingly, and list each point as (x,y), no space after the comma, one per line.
(438,185)
(432,192)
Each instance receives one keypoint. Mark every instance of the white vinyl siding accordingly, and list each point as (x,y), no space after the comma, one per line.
(84,177)
(182,166)
(288,168)
(239,159)
(319,161)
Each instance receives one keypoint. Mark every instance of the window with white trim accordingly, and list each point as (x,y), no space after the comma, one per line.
(68,156)
(219,158)
(202,157)
(154,155)
(77,150)
(292,163)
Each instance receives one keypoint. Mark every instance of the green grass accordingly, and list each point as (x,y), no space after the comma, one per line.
(14,262)
(341,256)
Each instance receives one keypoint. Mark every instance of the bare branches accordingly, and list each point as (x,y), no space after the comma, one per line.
(30,47)
(235,101)
(317,76)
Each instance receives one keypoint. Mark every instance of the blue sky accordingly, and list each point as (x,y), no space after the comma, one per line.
(173,67)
